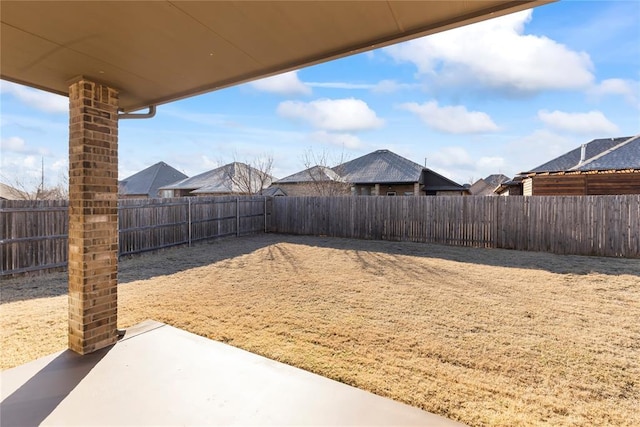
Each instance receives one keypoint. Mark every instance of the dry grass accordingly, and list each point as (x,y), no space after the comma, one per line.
(487,337)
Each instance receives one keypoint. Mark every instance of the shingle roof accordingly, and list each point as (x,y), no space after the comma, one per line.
(381,166)
(313,174)
(571,160)
(496,179)
(149,180)
(216,180)
(8,192)
(625,155)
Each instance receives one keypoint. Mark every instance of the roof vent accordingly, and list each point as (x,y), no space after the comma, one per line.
(583,153)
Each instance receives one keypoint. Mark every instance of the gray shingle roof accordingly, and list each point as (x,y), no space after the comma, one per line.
(496,179)
(625,155)
(313,174)
(380,167)
(149,180)
(216,180)
(571,160)
(8,192)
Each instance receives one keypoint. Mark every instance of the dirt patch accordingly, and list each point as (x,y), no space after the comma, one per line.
(487,337)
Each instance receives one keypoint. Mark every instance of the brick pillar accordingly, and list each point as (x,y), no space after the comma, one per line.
(416,189)
(93,216)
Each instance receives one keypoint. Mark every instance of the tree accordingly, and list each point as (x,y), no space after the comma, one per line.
(251,177)
(33,189)
(325,180)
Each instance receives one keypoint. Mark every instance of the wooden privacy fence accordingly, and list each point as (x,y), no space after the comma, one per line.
(580,225)
(34,233)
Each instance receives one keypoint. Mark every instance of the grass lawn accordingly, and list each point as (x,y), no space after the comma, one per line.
(486,337)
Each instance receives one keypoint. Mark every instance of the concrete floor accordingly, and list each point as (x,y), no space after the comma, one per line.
(160,375)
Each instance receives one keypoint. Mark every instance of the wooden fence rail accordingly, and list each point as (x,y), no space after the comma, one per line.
(580,225)
(33,234)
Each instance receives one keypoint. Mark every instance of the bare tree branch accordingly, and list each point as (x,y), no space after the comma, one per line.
(325,180)
(251,177)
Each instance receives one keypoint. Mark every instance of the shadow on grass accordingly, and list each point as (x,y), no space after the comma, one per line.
(139,267)
(176,259)
(553,263)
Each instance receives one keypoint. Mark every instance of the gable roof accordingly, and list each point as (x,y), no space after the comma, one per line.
(597,149)
(486,186)
(380,167)
(434,182)
(8,192)
(313,174)
(218,180)
(149,180)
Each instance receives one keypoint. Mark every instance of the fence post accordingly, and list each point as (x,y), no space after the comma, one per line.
(189,217)
(237,216)
(265,214)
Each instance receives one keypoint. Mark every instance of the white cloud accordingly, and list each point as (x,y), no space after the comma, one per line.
(13,143)
(497,54)
(390,86)
(43,101)
(628,89)
(457,164)
(530,151)
(593,122)
(383,86)
(286,84)
(451,119)
(341,85)
(345,140)
(450,156)
(491,164)
(341,115)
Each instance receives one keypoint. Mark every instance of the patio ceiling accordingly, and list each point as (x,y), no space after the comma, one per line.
(160,51)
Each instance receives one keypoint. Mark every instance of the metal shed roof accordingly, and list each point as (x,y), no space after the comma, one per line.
(160,51)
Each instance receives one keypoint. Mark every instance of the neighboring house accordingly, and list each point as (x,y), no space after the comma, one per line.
(273,192)
(600,167)
(383,172)
(232,179)
(314,181)
(486,186)
(8,192)
(146,183)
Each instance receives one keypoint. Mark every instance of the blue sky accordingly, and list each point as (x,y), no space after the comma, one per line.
(502,96)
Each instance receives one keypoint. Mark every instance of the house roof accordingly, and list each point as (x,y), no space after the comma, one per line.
(273,191)
(8,192)
(486,186)
(433,181)
(313,174)
(380,167)
(184,48)
(625,155)
(149,180)
(219,180)
(496,179)
(600,154)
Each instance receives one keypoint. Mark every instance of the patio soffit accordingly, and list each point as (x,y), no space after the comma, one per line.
(161,51)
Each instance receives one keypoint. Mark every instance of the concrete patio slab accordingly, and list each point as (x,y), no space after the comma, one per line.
(160,375)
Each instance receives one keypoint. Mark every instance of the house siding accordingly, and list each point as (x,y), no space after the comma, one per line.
(588,184)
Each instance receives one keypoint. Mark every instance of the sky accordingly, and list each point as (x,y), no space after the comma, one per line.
(500,96)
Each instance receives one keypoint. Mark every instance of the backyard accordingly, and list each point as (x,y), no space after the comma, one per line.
(483,336)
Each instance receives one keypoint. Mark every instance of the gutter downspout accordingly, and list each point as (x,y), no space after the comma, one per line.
(150,114)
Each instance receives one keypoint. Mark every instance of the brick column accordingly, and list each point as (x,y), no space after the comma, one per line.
(416,189)
(93,216)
